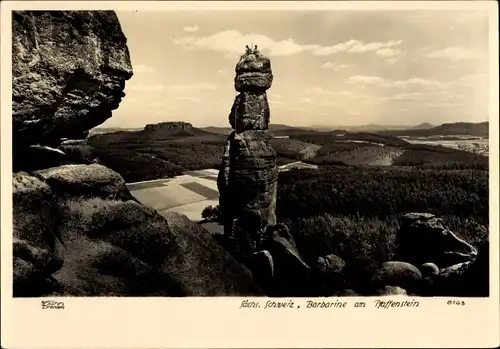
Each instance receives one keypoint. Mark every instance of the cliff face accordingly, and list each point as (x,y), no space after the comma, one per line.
(248,179)
(68,73)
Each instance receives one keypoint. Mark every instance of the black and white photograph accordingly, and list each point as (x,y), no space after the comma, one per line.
(250,153)
(261,174)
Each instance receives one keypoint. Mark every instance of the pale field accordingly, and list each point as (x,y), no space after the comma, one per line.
(190,193)
(478,146)
(187,194)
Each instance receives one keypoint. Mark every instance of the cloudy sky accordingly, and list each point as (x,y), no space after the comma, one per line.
(330,67)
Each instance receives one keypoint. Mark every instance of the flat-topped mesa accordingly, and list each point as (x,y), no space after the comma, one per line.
(250,109)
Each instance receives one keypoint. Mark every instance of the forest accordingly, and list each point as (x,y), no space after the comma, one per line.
(354,212)
(142,156)
(163,153)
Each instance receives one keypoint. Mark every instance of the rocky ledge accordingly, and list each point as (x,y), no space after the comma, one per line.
(68,73)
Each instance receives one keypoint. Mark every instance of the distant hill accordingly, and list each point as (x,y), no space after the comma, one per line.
(218,130)
(100,130)
(170,148)
(480,129)
(423,126)
(368,128)
(274,129)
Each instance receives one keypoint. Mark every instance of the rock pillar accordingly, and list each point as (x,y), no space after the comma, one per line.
(248,178)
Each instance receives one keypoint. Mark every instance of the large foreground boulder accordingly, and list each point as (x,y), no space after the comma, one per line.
(477,276)
(201,266)
(37,248)
(68,71)
(247,185)
(397,274)
(467,279)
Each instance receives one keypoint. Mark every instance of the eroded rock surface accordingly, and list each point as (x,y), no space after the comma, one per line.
(37,248)
(250,111)
(253,72)
(424,238)
(391,291)
(77,229)
(247,181)
(68,73)
(395,273)
(292,275)
(77,234)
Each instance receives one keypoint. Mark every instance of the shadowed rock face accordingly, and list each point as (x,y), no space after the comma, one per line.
(397,274)
(77,229)
(253,72)
(250,111)
(247,181)
(37,249)
(68,73)
(423,238)
(77,234)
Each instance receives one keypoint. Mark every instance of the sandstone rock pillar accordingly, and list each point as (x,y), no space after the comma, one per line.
(248,178)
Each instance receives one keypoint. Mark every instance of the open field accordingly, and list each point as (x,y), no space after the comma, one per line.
(188,194)
(473,145)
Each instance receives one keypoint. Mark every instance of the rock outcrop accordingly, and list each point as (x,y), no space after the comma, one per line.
(391,291)
(77,234)
(424,238)
(397,274)
(68,73)
(168,126)
(37,248)
(247,181)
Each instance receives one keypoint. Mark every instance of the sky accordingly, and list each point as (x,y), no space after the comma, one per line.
(330,68)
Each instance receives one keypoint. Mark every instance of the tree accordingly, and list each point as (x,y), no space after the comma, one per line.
(207,213)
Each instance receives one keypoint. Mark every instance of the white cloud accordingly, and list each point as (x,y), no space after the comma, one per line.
(364,79)
(361,47)
(334,66)
(191,28)
(355,46)
(418,82)
(405,96)
(341,47)
(412,82)
(453,53)
(319,91)
(233,42)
